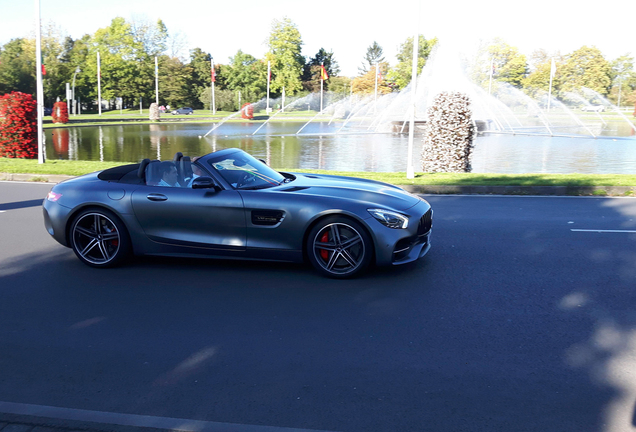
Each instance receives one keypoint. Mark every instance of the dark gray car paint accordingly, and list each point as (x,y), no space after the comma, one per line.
(219,223)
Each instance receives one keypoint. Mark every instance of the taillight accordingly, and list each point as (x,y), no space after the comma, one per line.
(53,196)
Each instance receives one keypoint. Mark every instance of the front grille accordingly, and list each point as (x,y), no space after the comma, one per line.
(426,222)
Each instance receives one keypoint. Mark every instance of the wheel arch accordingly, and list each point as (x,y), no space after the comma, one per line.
(94,206)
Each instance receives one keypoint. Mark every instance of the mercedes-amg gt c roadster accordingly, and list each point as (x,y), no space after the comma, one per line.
(227,204)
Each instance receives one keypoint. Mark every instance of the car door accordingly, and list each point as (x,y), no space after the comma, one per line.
(202,218)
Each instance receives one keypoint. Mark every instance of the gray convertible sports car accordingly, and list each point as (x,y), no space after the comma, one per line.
(228,204)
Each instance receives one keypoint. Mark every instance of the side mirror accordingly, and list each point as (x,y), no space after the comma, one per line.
(204,183)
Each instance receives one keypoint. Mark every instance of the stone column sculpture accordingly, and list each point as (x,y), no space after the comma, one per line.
(448,136)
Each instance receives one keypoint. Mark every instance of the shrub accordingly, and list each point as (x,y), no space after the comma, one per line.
(60,112)
(18,126)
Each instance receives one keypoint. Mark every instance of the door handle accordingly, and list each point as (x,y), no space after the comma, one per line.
(156,197)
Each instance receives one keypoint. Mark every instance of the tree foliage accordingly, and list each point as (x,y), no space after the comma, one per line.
(128,49)
(246,74)
(17,67)
(401,74)
(374,55)
(285,56)
(586,67)
(503,61)
(312,70)
(366,83)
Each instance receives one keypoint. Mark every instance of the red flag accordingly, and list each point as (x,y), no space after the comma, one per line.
(323,73)
(43,69)
(213,72)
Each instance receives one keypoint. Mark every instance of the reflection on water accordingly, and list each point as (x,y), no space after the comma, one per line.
(319,147)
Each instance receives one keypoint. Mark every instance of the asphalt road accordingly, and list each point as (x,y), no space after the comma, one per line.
(515,321)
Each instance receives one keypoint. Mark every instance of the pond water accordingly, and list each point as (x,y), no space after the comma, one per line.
(319,147)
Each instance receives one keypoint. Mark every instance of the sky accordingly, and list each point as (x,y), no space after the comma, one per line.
(347,27)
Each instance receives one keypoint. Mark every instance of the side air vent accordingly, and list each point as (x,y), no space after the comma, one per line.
(310,176)
(295,189)
(267,217)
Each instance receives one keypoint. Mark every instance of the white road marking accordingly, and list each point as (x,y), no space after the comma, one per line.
(604,231)
(175,424)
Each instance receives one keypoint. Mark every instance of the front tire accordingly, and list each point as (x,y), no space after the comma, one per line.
(99,238)
(339,247)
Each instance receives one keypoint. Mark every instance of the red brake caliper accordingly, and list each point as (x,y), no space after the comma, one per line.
(114,242)
(324,239)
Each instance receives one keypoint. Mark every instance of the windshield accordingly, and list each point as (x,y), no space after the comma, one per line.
(243,171)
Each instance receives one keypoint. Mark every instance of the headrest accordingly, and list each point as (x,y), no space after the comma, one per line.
(141,173)
(177,156)
(185,167)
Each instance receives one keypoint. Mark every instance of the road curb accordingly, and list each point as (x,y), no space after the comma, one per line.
(41,178)
(524,190)
(625,191)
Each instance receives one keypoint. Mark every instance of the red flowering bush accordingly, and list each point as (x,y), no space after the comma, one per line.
(60,112)
(18,126)
(247,111)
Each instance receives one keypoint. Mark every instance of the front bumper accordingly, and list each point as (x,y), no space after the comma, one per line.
(395,247)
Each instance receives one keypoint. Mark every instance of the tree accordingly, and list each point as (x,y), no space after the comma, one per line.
(17,68)
(311,71)
(247,75)
(176,89)
(586,67)
(284,54)
(623,79)
(402,73)
(201,75)
(503,61)
(366,82)
(374,55)
(150,38)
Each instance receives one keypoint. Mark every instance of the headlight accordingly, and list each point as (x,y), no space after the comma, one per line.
(390,219)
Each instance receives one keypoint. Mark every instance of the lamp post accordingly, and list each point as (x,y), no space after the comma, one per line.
(73,92)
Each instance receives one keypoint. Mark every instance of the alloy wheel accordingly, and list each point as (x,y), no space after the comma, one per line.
(96,238)
(339,249)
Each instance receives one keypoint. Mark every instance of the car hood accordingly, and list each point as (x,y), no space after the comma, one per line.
(351,188)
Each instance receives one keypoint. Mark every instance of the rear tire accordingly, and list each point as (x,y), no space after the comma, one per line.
(99,238)
(339,247)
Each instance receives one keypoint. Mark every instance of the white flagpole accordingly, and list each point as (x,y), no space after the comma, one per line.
(213,104)
(99,84)
(492,66)
(269,72)
(39,89)
(156,82)
(410,172)
(375,100)
(552,72)
(321,83)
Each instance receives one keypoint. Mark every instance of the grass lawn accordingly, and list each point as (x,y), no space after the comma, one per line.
(74,168)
